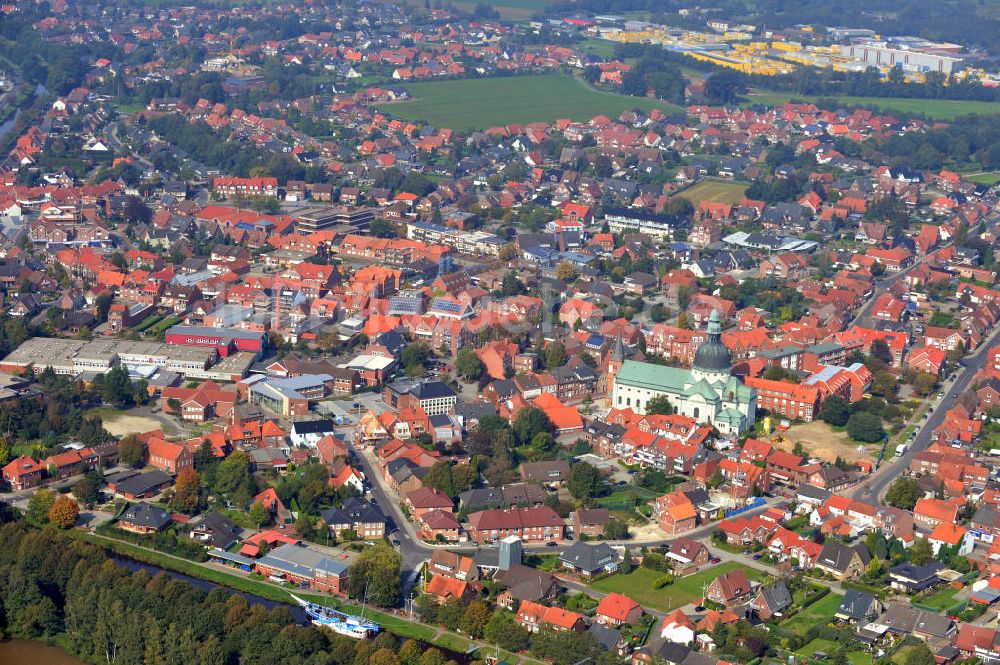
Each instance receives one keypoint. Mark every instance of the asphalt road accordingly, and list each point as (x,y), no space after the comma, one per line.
(881,287)
(871,491)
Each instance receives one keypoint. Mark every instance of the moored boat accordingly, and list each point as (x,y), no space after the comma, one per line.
(339,622)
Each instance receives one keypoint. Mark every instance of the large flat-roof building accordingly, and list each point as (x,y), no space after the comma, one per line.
(301,565)
(327,217)
(224,340)
(73,357)
(884,54)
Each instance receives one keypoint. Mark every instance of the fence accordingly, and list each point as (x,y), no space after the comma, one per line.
(757,503)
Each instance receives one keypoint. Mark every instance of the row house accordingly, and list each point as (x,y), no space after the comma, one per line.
(531,525)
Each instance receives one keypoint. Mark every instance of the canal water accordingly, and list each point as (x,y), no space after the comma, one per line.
(22,652)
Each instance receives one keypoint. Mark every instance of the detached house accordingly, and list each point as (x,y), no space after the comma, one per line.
(589,559)
(732,588)
(23,473)
(616,609)
(842,561)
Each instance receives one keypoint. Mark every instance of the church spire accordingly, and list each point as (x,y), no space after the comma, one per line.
(618,350)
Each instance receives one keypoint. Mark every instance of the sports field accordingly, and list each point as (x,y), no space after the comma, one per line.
(937,109)
(716,191)
(471,104)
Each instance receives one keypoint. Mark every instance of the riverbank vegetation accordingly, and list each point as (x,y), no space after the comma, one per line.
(66,591)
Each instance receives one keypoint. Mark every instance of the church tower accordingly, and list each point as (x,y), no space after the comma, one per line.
(712,360)
(614,362)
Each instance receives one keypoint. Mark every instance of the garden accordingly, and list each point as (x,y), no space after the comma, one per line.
(640,585)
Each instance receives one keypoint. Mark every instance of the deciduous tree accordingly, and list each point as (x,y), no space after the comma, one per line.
(187,492)
(64,512)
(132,451)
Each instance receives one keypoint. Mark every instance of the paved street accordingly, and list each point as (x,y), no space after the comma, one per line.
(871,491)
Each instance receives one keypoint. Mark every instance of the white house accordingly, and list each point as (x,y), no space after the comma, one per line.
(677,628)
(309,432)
(947,534)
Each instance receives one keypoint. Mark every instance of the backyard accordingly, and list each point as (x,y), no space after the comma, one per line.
(819,645)
(819,613)
(717,191)
(942,600)
(638,585)
(474,104)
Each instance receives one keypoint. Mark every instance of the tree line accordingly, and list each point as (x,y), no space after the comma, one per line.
(62,590)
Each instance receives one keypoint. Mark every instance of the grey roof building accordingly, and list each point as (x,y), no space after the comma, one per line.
(590,559)
(142,516)
(858,606)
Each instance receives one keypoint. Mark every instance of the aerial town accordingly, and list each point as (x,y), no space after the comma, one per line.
(519,333)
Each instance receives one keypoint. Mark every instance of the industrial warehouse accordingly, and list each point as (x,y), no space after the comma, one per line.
(82,358)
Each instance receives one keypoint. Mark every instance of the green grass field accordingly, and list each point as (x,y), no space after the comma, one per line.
(638,585)
(987,178)
(602,48)
(819,613)
(471,104)
(828,647)
(508,9)
(936,109)
(717,191)
(941,600)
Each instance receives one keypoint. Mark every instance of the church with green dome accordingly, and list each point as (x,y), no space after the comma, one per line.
(708,392)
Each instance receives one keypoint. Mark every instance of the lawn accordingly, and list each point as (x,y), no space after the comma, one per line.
(828,647)
(602,48)
(941,600)
(987,178)
(472,104)
(716,191)
(937,109)
(819,613)
(638,585)
(819,644)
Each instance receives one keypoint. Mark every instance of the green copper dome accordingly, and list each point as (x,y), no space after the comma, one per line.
(712,355)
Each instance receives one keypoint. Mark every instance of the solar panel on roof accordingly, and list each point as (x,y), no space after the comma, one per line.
(447,306)
(398,305)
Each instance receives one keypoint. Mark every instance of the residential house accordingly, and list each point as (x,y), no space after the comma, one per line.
(143,518)
(732,588)
(859,607)
(589,559)
(843,561)
(616,609)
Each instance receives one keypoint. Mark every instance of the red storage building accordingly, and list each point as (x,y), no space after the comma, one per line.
(226,340)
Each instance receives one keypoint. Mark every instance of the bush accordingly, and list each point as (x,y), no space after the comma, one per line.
(663,581)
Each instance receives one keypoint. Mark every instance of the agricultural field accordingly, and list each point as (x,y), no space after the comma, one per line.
(475,104)
(819,613)
(638,585)
(935,109)
(717,191)
(508,9)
